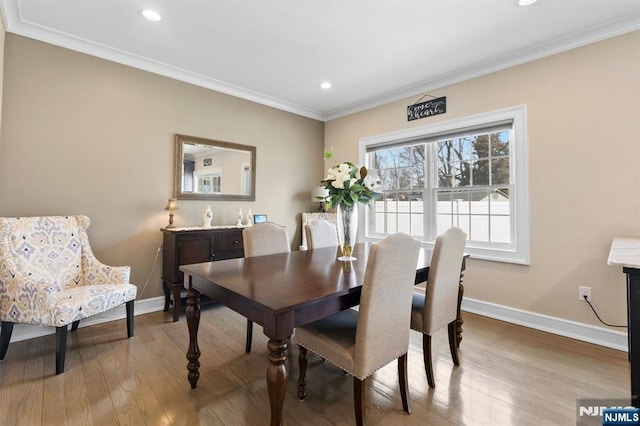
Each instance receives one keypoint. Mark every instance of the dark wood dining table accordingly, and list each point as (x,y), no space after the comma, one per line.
(281,292)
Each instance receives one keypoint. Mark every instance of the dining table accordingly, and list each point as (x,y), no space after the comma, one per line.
(281,292)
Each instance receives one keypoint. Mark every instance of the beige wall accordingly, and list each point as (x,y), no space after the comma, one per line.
(83,135)
(584,172)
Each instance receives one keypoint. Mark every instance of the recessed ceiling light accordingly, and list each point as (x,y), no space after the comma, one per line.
(325,85)
(151,15)
(526,2)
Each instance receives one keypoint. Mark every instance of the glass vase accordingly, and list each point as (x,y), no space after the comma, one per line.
(347,229)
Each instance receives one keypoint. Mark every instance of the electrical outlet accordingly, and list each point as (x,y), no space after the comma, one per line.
(584,291)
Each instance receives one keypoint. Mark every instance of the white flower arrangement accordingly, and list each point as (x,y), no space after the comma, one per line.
(348,184)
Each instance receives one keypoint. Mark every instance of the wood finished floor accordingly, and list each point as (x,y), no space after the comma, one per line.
(509,375)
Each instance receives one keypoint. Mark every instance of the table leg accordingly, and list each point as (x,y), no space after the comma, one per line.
(193,322)
(277,378)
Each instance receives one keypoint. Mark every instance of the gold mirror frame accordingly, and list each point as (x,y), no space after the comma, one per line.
(216,147)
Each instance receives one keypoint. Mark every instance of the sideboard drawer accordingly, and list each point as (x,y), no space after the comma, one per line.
(229,244)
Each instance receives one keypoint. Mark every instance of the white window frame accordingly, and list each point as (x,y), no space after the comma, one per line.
(519,250)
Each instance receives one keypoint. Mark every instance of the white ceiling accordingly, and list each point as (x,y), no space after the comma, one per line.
(277,52)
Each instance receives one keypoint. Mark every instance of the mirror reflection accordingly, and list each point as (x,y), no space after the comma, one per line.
(214,170)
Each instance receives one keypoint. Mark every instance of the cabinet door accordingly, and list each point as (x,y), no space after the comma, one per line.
(194,249)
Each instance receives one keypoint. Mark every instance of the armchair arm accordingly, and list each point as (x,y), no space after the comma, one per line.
(96,272)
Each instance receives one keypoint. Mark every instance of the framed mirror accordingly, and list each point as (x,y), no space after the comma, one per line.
(207,169)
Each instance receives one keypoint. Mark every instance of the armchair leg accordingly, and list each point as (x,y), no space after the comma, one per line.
(404,388)
(453,344)
(61,348)
(247,347)
(358,400)
(426,354)
(74,325)
(129,308)
(5,336)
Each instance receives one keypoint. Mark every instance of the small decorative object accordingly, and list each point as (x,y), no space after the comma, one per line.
(239,217)
(348,185)
(249,218)
(172,205)
(259,218)
(428,108)
(207,217)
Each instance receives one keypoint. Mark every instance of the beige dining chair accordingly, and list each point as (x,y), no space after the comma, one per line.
(321,233)
(360,342)
(260,240)
(437,307)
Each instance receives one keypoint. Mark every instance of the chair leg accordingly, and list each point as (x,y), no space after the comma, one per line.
(453,344)
(303,360)
(74,325)
(5,336)
(358,400)
(426,354)
(247,347)
(61,348)
(129,308)
(404,388)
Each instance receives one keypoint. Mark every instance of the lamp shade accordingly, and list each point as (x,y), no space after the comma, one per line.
(172,204)
(319,193)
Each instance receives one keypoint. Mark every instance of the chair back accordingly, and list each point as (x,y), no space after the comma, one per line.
(321,233)
(47,248)
(265,238)
(441,297)
(382,333)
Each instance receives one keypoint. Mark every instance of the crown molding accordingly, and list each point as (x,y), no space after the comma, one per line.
(15,24)
(595,34)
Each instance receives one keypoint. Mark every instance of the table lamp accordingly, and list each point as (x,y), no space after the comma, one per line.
(319,194)
(172,205)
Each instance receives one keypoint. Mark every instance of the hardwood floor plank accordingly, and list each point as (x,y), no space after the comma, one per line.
(509,375)
(11,387)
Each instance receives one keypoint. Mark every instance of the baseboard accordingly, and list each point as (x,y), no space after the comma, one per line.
(27,331)
(575,330)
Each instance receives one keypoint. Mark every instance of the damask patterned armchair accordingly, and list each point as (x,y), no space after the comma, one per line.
(49,276)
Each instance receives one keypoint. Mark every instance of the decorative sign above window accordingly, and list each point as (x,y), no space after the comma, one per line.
(427,108)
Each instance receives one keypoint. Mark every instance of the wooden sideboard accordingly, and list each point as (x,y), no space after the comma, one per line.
(184,246)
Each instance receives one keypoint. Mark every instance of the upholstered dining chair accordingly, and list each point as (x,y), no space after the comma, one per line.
(360,342)
(437,307)
(260,240)
(321,233)
(49,276)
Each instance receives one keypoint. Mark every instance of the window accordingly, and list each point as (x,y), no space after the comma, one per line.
(470,173)
(246,179)
(210,183)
